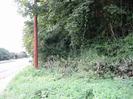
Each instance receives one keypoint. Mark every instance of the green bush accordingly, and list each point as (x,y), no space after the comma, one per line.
(104,59)
(122,47)
(66,26)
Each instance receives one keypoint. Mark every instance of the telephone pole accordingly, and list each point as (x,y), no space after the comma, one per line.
(35,39)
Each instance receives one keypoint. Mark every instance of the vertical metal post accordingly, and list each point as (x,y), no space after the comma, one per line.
(35,41)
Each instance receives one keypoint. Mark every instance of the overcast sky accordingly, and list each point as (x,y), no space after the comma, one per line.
(11,26)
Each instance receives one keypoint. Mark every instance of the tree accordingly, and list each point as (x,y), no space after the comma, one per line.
(68,25)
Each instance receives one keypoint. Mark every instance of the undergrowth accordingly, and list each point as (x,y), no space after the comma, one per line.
(103,71)
(42,84)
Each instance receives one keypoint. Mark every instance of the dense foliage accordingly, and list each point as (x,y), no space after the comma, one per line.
(86,43)
(66,26)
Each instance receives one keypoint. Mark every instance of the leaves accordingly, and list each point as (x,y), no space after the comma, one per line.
(67,25)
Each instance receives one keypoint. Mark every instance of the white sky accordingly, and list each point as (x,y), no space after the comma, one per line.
(11,27)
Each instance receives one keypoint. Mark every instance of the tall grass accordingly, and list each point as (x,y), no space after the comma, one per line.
(42,84)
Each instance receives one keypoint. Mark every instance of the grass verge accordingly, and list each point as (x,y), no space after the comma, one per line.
(42,84)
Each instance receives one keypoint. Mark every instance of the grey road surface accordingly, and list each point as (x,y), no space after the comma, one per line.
(8,70)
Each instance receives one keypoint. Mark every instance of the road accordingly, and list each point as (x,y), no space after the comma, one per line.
(8,70)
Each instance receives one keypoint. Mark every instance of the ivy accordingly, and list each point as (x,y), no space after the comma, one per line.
(66,25)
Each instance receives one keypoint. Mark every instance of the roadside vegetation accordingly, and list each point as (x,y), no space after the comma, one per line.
(85,50)
(50,84)
(90,34)
(6,55)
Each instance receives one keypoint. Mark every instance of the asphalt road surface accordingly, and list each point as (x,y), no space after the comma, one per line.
(8,70)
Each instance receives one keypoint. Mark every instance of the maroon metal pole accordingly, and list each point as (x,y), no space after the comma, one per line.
(35,41)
